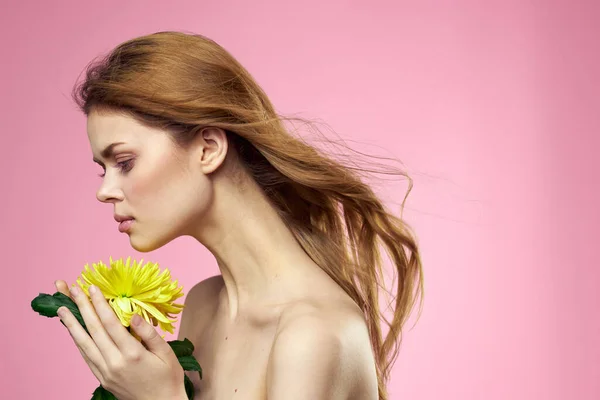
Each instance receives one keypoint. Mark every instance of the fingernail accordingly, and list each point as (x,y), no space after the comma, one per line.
(74,291)
(92,289)
(61,312)
(136,319)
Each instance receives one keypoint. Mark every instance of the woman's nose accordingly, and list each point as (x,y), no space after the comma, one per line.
(107,192)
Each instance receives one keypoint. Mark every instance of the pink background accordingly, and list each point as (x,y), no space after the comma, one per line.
(493,107)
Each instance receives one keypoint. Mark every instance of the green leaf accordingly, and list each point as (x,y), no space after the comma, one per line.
(102,394)
(189,387)
(47,305)
(189,363)
(182,347)
(184,351)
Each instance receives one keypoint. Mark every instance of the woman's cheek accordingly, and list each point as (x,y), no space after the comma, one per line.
(143,181)
(137,190)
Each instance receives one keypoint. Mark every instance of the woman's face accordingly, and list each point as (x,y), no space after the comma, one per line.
(146,177)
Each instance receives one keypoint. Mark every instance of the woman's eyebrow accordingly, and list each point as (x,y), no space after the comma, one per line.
(107,152)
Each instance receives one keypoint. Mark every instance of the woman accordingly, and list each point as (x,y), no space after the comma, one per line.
(191,145)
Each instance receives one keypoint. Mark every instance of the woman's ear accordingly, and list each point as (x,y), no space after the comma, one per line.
(212,148)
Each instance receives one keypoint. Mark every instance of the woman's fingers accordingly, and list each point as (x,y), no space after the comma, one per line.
(154,342)
(61,286)
(94,325)
(95,370)
(84,342)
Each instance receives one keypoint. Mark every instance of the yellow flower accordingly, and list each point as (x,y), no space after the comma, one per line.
(135,289)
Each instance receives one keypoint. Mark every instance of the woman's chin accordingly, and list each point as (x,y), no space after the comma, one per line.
(145,244)
(141,244)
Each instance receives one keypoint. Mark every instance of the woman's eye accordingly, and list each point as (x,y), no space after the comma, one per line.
(124,166)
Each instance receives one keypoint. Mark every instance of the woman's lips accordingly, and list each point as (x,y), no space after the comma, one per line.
(124,226)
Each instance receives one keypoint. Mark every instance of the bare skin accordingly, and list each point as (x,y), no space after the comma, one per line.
(272,325)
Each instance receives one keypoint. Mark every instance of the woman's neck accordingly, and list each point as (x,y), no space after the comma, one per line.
(257,254)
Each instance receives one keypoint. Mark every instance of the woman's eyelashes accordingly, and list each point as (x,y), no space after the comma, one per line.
(124,166)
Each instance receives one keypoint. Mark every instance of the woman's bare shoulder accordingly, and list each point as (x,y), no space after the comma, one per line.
(200,303)
(329,341)
(209,287)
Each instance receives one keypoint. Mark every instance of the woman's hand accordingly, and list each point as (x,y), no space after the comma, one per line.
(120,362)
